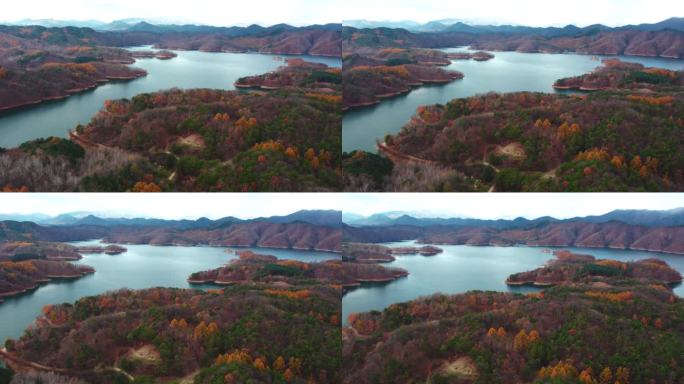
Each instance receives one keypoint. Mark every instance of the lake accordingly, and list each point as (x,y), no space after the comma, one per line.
(143,266)
(508,72)
(463,268)
(191,69)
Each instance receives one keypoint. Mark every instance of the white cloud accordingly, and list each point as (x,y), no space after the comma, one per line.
(507,206)
(211,12)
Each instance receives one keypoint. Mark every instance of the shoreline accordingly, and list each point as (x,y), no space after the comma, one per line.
(549,246)
(379,98)
(41,282)
(104,241)
(70,92)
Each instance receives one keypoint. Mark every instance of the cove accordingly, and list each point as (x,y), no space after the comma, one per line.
(191,69)
(507,72)
(463,268)
(143,266)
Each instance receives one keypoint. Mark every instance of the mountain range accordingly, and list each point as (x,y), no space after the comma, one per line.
(650,218)
(303,230)
(328,218)
(145,25)
(657,231)
(453,25)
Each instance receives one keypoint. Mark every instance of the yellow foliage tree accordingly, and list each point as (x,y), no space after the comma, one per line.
(142,186)
(617,161)
(295,364)
(587,376)
(260,363)
(310,154)
(520,340)
(291,152)
(622,375)
(562,370)
(237,356)
(606,376)
(279,364)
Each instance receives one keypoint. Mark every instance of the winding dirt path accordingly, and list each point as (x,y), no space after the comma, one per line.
(399,157)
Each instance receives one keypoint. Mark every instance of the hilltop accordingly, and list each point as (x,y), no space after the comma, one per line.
(287,139)
(597,326)
(623,138)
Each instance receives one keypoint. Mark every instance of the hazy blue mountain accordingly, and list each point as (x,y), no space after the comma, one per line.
(676,23)
(406,24)
(36,217)
(669,218)
(674,217)
(453,25)
(328,218)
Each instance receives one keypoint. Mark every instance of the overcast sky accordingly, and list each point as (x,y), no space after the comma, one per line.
(520,12)
(211,12)
(166,206)
(507,206)
(214,206)
(303,12)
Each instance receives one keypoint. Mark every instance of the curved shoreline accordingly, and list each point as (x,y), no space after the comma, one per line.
(41,282)
(419,241)
(379,98)
(70,92)
(222,246)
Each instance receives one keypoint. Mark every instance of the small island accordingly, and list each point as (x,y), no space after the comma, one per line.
(254,267)
(296,74)
(160,55)
(108,250)
(615,74)
(427,250)
(477,56)
(571,268)
(377,73)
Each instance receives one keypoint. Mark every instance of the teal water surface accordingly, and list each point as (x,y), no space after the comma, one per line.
(507,72)
(143,266)
(462,268)
(191,69)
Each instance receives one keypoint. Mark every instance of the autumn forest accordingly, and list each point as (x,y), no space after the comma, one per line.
(342,192)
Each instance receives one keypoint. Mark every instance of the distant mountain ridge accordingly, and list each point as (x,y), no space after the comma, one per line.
(303,230)
(154,26)
(329,218)
(656,231)
(453,25)
(650,218)
(664,39)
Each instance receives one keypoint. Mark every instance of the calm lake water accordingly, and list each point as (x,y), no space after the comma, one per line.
(462,268)
(191,69)
(508,72)
(143,266)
